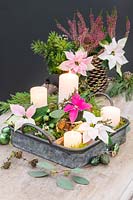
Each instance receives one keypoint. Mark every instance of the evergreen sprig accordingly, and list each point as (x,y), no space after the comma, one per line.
(53,50)
(21,98)
(122,85)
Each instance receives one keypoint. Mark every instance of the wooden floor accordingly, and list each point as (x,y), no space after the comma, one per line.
(112,182)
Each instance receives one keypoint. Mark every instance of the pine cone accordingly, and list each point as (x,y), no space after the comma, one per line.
(96,79)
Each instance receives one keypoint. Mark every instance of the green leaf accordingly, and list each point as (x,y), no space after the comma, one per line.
(128,129)
(40,112)
(77,170)
(57,114)
(80,180)
(45,165)
(116,148)
(38,174)
(64,183)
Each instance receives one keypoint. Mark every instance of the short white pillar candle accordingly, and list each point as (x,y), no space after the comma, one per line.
(68,83)
(111,113)
(38,96)
(72,139)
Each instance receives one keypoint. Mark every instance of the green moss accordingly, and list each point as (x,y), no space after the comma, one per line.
(121,124)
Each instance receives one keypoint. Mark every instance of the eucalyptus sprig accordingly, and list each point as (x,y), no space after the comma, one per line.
(65,178)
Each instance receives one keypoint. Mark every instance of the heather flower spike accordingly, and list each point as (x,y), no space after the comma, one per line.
(114,53)
(77,104)
(24,116)
(77,63)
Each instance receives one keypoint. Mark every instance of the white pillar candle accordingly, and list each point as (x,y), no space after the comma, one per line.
(38,96)
(68,83)
(111,113)
(72,138)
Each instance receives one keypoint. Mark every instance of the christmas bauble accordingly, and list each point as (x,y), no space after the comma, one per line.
(4,138)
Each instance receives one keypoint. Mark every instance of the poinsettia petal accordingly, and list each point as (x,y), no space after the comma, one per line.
(73,114)
(92,132)
(13,119)
(17,110)
(122,42)
(75,99)
(86,137)
(68,107)
(124,60)
(30,121)
(91,118)
(66,65)
(22,121)
(85,106)
(83,127)
(19,123)
(81,54)
(69,55)
(30,111)
(108,129)
(103,135)
(112,61)
(103,56)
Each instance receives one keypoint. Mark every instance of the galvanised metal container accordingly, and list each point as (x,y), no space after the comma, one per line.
(67,157)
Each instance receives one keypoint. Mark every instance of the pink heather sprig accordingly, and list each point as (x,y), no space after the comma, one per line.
(73,29)
(111,23)
(127,27)
(89,37)
(91,17)
(82,21)
(60,27)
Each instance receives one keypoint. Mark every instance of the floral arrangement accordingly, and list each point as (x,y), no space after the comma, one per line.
(95,38)
(72,120)
(76,114)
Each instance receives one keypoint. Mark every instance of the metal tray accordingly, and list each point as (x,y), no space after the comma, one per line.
(67,157)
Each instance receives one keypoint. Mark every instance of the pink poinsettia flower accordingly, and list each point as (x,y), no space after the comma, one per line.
(77,63)
(22,116)
(20,110)
(77,104)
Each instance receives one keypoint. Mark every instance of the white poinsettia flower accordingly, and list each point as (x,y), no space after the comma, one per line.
(103,132)
(100,131)
(21,116)
(114,53)
(91,118)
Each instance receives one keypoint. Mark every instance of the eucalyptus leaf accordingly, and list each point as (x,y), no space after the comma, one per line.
(64,183)
(38,174)
(45,165)
(57,114)
(77,170)
(80,180)
(128,129)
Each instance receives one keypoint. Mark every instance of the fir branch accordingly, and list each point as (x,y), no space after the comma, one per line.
(53,50)
(21,98)
(122,85)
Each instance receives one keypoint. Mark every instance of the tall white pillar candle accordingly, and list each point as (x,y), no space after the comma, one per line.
(68,83)
(72,139)
(111,113)
(38,96)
